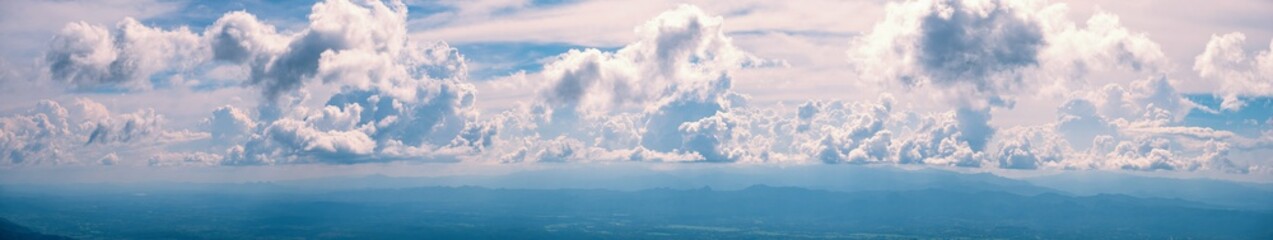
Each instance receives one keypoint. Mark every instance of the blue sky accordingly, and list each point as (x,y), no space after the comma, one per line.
(1167,87)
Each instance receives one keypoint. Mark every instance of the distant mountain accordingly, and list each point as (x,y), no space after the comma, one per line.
(833,178)
(10,230)
(915,213)
(1217,192)
(839,178)
(754,212)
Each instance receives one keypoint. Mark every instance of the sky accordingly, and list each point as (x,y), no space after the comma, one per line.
(167,88)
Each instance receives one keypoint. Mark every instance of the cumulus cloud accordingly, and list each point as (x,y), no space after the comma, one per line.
(1132,127)
(665,87)
(589,103)
(393,98)
(871,132)
(165,159)
(240,37)
(338,30)
(349,86)
(230,125)
(681,51)
(975,48)
(126,127)
(80,131)
(397,98)
(846,132)
(978,54)
(1236,72)
(1031,148)
(128,56)
(939,140)
(335,144)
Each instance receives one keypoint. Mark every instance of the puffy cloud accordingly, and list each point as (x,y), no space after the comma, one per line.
(38,136)
(349,86)
(350,41)
(164,159)
(126,127)
(839,132)
(397,99)
(708,137)
(338,30)
(326,144)
(1142,154)
(1132,128)
(591,80)
(977,54)
(674,78)
(939,140)
(230,125)
(109,159)
(680,52)
(84,130)
(1152,99)
(845,133)
(975,48)
(1160,153)
(1110,128)
(240,37)
(1215,155)
(1237,73)
(1031,148)
(128,56)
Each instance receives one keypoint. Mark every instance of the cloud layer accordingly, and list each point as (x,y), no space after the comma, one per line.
(350,86)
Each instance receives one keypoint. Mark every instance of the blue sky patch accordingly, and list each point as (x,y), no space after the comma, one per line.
(1249,121)
(494,59)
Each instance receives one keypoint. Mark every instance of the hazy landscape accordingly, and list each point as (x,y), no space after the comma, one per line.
(636,119)
(862,203)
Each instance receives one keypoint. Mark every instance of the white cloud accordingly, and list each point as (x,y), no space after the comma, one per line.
(126,127)
(87,55)
(1235,72)
(339,32)
(682,51)
(325,144)
(1134,128)
(390,97)
(28,25)
(166,159)
(397,98)
(1032,148)
(85,130)
(938,139)
(586,109)
(665,87)
(240,37)
(230,125)
(351,86)
(976,50)
(1152,98)
(979,54)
